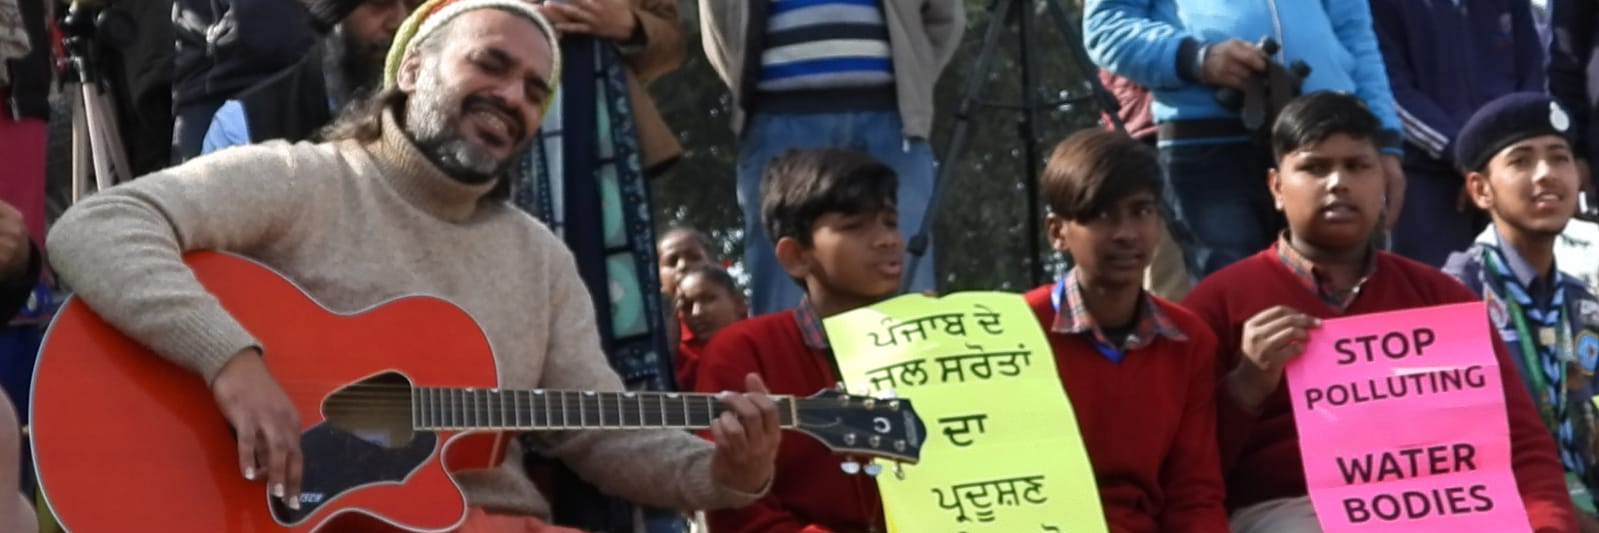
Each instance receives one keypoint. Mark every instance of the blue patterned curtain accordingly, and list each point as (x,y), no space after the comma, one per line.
(583,178)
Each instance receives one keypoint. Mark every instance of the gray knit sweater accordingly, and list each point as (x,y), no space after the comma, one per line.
(356,225)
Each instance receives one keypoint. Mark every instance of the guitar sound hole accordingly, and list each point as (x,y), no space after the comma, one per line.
(376,410)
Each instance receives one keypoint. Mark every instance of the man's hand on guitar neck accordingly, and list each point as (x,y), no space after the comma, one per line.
(747,435)
(265,422)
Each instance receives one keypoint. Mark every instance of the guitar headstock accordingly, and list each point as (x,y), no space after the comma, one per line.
(858,425)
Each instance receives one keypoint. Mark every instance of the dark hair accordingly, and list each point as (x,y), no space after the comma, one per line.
(698,236)
(1313,117)
(1095,168)
(799,186)
(362,119)
(715,274)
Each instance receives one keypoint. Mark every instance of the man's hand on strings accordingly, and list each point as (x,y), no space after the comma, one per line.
(747,435)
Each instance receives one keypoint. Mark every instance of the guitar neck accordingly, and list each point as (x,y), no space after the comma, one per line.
(442,408)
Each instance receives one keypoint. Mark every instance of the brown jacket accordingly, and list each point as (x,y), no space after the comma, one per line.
(662,53)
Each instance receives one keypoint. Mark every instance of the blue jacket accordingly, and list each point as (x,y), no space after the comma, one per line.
(1445,61)
(1146,41)
(1582,314)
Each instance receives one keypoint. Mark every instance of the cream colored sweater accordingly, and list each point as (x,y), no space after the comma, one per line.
(356,225)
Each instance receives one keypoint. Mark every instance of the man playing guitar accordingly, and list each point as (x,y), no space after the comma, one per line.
(406,196)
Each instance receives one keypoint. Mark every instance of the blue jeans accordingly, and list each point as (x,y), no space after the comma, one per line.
(877,133)
(1220,208)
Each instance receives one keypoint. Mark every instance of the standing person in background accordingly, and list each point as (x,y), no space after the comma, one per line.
(588,179)
(1184,51)
(293,104)
(1439,79)
(853,74)
(1574,74)
(1167,276)
(1574,82)
(224,47)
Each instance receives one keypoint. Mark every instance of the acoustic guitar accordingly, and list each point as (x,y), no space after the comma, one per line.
(392,400)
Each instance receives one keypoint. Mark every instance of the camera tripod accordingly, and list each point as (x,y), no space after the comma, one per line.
(98,156)
(1005,13)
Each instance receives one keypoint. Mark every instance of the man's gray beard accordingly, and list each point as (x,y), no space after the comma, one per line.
(431,128)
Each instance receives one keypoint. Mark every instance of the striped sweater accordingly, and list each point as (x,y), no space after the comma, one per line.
(815,45)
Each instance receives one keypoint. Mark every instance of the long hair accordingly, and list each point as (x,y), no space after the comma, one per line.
(362,120)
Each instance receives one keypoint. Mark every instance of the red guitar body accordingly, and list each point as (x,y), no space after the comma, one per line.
(126,442)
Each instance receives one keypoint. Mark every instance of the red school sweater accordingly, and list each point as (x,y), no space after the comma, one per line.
(809,494)
(1148,424)
(1260,453)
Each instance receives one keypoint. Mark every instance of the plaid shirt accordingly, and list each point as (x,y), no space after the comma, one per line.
(1312,279)
(811,325)
(1072,318)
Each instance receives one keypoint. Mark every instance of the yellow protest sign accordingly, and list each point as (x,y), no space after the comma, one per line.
(1003,453)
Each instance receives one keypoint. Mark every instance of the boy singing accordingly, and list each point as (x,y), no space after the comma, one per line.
(831,214)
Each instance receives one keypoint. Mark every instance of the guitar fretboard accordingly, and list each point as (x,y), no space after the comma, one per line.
(438,408)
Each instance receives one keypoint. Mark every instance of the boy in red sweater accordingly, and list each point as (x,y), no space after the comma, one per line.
(831,214)
(1329,184)
(708,300)
(1160,474)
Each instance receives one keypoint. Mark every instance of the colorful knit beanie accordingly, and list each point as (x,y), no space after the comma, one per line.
(433,14)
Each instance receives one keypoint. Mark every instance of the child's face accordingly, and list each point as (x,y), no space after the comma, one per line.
(1531,185)
(1331,191)
(1112,248)
(679,252)
(855,256)
(707,306)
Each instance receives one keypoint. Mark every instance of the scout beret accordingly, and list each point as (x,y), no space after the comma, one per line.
(1505,121)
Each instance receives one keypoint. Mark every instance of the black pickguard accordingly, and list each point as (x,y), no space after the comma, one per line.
(337,461)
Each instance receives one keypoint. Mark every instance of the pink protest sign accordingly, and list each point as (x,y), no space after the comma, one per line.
(1402,424)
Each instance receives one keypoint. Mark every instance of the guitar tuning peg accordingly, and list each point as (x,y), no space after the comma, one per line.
(888,394)
(873,469)
(850,466)
(899,471)
(839,386)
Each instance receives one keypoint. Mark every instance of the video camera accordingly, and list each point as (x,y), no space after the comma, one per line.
(1266,93)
